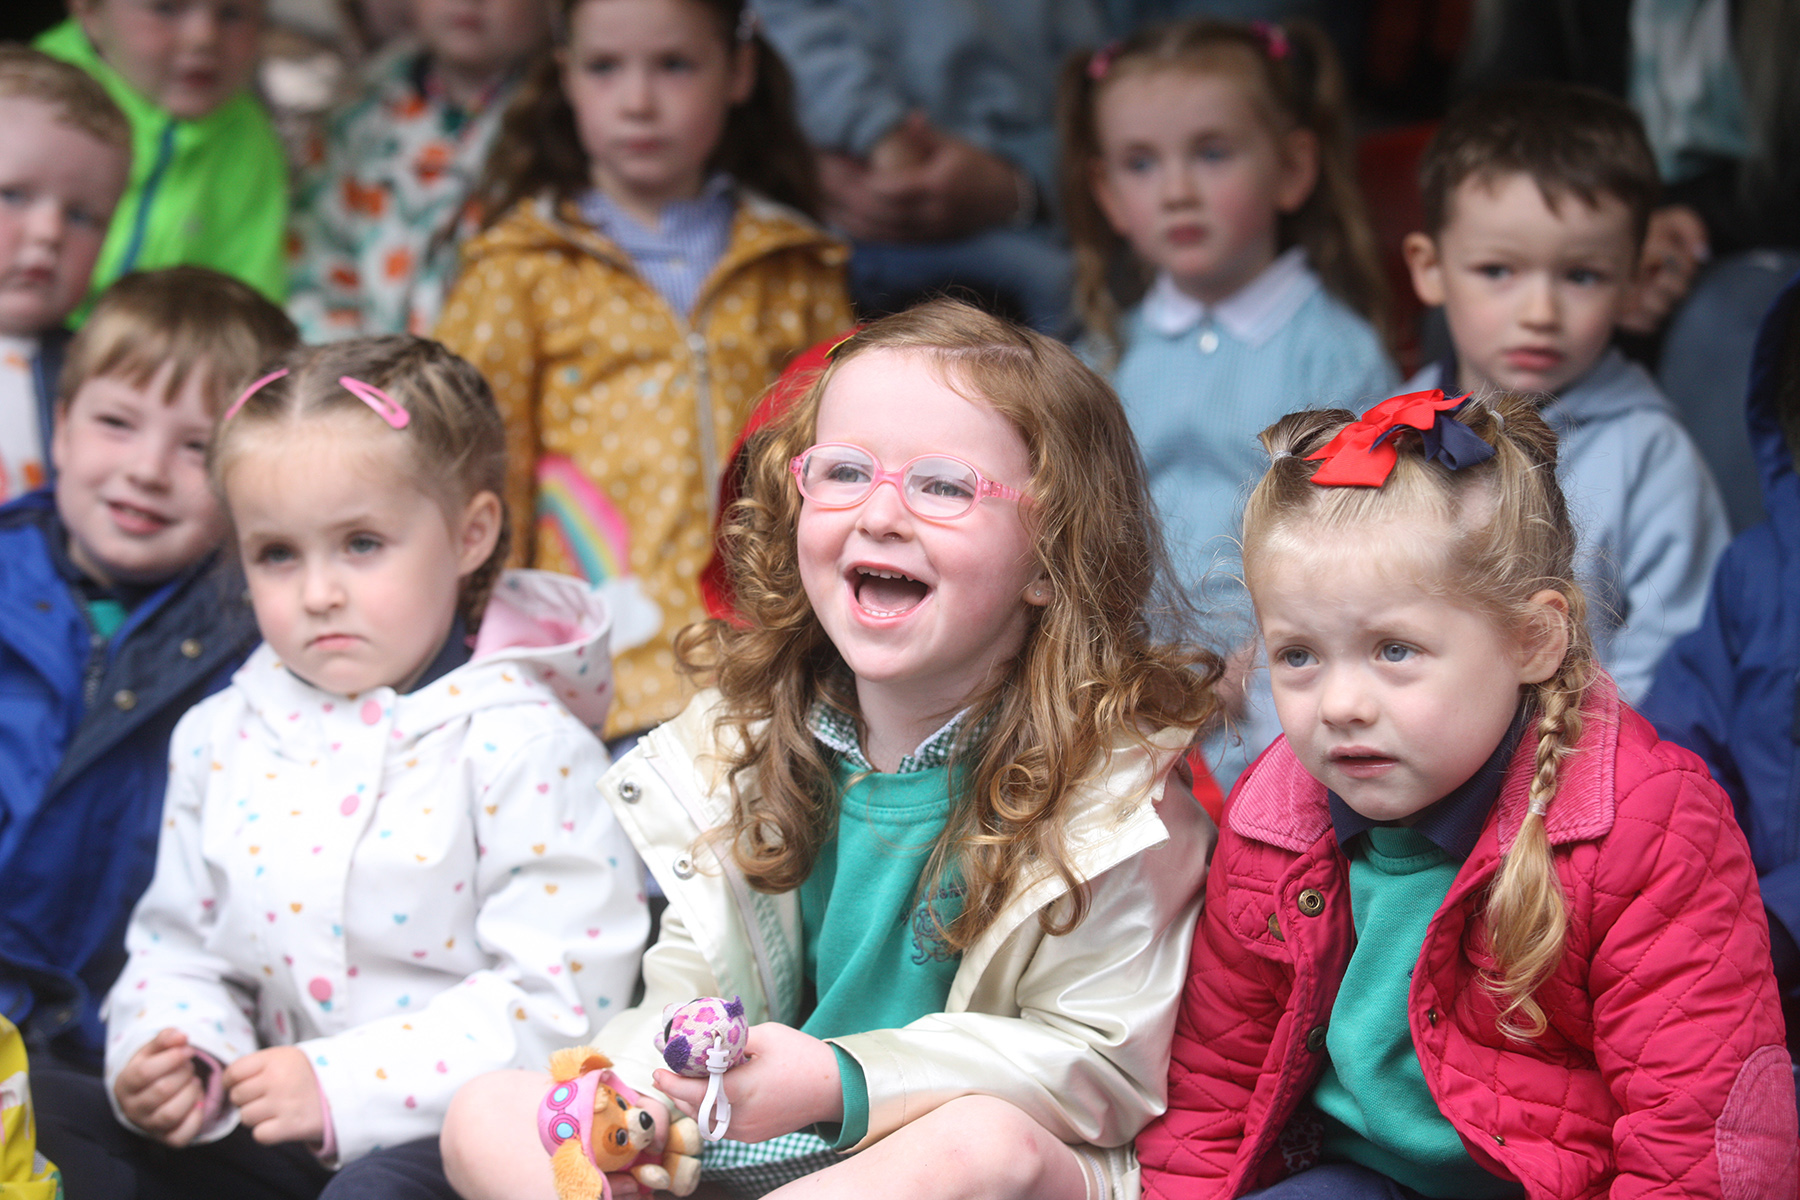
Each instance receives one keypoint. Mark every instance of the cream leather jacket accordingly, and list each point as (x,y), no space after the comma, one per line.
(1074,1030)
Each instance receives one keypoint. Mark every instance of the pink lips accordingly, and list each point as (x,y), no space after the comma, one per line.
(1532,359)
(1361,762)
(139,522)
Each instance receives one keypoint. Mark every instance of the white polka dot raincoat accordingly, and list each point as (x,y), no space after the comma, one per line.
(415,889)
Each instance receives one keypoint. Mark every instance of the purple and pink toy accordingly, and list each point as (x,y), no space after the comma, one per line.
(703,1039)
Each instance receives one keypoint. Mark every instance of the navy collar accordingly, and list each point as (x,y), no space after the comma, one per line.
(127,595)
(1454,823)
(451,655)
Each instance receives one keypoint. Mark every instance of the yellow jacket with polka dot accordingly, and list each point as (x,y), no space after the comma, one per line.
(619,409)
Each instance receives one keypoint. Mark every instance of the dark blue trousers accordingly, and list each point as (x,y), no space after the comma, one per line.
(102,1160)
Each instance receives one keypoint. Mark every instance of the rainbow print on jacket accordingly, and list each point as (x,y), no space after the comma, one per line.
(580,533)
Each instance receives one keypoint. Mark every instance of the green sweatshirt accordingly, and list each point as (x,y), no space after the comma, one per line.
(212,192)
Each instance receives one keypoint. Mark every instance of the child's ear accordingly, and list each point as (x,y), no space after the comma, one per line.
(1038,592)
(1426,265)
(477,532)
(1547,637)
(1299,170)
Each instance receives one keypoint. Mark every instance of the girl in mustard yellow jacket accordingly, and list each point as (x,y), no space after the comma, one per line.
(652,270)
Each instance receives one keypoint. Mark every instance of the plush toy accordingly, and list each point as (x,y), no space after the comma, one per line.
(703,1039)
(591,1125)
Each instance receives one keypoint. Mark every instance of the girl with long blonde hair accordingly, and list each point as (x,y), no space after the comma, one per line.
(1472,930)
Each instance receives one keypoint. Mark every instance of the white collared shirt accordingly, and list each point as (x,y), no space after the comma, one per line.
(1252,314)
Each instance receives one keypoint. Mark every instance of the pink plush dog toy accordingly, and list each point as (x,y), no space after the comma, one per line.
(703,1039)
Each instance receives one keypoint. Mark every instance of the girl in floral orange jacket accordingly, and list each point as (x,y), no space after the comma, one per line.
(1471,930)
(651,273)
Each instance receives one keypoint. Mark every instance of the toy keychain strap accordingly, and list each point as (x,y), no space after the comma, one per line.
(716,1102)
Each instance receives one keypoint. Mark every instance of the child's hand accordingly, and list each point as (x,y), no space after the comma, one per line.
(788,1080)
(160,1092)
(277,1095)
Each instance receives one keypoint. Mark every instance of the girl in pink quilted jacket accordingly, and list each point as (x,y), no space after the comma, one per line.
(1471,929)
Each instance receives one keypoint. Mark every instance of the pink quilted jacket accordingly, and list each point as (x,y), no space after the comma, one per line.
(1663,1073)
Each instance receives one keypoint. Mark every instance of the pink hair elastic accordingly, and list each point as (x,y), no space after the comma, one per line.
(1273,37)
(1102,61)
(385,406)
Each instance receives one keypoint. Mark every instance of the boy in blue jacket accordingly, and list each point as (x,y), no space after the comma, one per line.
(1726,691)
(117,613)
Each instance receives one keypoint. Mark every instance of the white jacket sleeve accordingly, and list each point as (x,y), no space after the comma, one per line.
(171,977)
(563,919)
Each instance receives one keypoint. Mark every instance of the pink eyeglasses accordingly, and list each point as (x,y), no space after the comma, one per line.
(937,487)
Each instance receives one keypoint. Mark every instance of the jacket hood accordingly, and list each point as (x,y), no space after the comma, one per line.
(1615,386)
(544,639)
(1774,461)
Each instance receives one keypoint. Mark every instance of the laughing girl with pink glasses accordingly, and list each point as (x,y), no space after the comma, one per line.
(928,823)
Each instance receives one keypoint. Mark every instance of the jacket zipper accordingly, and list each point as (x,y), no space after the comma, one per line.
(141,219)
(703,411)
(96,669)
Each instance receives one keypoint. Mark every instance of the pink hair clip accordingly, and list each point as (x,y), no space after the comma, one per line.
(1102,61)
(250,391)
(385,406)
(1273,37)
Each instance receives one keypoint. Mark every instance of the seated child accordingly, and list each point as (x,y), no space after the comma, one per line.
(383,868)
(648,271)
(930,825)
(1472,931)
(208,177)
(1536,199)
(63,164)
(1726,690)
(115,617)
(377,222)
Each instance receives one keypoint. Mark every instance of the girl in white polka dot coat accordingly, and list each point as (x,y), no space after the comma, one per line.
(385,867)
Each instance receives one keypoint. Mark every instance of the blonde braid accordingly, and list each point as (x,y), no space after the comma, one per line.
(1526,911)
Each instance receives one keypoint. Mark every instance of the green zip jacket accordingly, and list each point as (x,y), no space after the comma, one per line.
(212,192)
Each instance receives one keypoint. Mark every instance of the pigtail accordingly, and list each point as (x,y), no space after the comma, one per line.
(1333,223)
(1102,258)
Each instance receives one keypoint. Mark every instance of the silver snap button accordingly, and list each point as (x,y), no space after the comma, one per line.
(190,648)
(684,867)
(124,699)
(629,792)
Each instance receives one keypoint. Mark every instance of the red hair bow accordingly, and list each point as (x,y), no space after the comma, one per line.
(1362,454)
